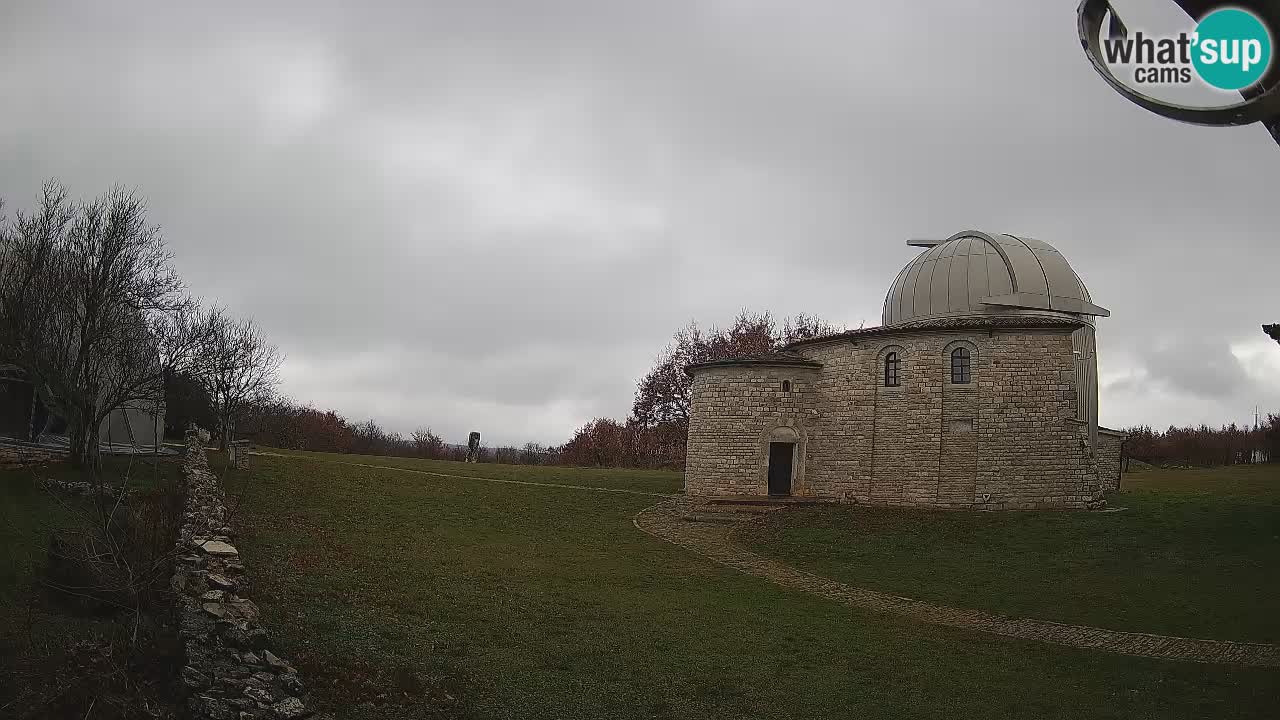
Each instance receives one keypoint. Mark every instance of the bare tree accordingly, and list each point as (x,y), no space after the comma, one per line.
(92,309)
(662,395)
(427,443)
(237,367)
(533,454)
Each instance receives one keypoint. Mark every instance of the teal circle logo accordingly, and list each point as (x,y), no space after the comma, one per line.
(1232,49)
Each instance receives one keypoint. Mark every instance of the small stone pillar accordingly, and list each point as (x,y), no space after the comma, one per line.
(473,446)
(239,450)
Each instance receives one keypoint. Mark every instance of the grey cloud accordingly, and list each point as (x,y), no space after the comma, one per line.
(481,214)
(1197,368)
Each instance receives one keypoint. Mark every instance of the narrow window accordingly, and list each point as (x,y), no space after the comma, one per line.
(891,370)
(960,366)
(786,386)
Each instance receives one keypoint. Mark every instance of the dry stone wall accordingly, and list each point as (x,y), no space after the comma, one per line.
(1110,445)
(81,487)
(1007,440)
(230,672)
(19,456)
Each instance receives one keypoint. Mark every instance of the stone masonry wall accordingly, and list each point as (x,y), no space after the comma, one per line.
(735,409)
(1109,458)
(1008,440)
(230,672)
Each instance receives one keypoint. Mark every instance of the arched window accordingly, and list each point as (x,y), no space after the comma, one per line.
(786,386)
(961,369)
(891,370)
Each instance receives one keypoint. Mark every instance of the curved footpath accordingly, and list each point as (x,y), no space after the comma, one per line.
(665,521)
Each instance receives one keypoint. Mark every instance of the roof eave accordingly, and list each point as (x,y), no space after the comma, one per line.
(1004,322)
(749,362)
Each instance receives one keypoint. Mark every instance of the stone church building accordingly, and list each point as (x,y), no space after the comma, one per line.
(979,390)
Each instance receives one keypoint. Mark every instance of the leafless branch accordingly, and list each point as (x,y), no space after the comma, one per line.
(91,308)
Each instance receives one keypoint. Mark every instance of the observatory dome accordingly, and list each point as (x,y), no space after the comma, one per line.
(975,273)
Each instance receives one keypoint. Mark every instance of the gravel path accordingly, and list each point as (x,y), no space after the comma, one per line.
(665,521)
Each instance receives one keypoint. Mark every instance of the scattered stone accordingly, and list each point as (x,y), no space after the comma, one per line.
(220,582)
(245,637)
(219,548)
(274,661)
(216,709)
(290,709)
(72,487)
(214,596)
(245,609)
(231,683)
(291,683)
(196,650)
(215,609)
(194,679)
(259,695)
(251,658)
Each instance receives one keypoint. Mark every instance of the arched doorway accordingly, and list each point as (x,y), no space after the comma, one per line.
(782,451)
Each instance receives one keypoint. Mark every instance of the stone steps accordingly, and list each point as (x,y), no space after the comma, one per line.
(717,517)
(769,501)
(733,509)
(741,509)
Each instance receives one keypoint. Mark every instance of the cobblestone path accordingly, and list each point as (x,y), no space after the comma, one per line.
(665,521)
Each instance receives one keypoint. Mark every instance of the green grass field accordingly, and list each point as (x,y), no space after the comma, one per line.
(1195,553)
(406,595)
(652,481)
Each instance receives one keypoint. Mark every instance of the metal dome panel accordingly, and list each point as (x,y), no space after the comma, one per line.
(977,273)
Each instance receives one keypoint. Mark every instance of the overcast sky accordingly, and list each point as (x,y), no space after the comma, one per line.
(492,216)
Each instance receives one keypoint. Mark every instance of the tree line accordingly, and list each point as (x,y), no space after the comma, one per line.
(655,435)
(1204,446)
(95,315)
(283,423)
